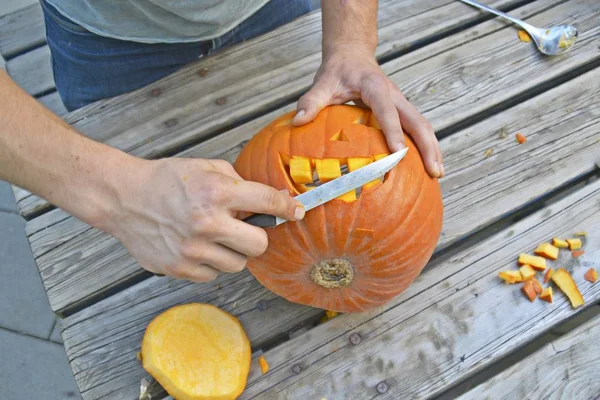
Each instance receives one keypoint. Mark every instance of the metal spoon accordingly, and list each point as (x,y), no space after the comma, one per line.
(552,41)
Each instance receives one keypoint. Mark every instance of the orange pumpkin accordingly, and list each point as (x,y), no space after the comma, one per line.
(358,251)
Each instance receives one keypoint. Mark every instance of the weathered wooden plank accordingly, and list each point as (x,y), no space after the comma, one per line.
(549,127)
(22,30)
(64,266)
(567,368)
(32,71)
(10,6)
(456,319)
(54,103)
(251,78)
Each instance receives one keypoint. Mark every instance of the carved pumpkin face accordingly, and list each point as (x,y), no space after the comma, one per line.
(360,250)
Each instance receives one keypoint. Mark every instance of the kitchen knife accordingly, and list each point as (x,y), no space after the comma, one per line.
(334,188)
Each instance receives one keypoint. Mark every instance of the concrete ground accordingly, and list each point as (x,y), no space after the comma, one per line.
(33,363)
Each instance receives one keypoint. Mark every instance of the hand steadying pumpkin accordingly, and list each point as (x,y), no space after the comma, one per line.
(350,72)
(179,219)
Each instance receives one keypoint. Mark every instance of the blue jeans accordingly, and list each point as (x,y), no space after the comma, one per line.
(88,67)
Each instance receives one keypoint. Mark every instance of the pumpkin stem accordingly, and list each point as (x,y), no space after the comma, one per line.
(332,274)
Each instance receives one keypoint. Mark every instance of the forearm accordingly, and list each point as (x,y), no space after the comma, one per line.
(43,154)
(349,23)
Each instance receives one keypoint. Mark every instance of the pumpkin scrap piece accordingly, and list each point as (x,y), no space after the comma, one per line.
(577,253)
(574,244)
(510,277)
(355,163)
(529,291)
(567,285)
(548,275)
(329,315)
(524,36)
(520,138)
(537,286)
(547,250)
(536,262)
(348,197)
(580,233)
(546,294)
(561,244)
(328,169)
(591,275)
(488,153)
(527,272)
(264,365)
(197,351)
(300,170)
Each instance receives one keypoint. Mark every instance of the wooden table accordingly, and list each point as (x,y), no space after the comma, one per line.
(478,85)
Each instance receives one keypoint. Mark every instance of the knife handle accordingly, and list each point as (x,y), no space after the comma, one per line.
(261,220)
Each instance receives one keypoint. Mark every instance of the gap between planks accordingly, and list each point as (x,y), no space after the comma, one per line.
(185,110)
(549,125)
(75,260)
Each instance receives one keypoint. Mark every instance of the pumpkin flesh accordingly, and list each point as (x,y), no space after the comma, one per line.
(355,252)
(197,352)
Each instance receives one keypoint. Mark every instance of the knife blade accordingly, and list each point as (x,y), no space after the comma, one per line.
(334,188)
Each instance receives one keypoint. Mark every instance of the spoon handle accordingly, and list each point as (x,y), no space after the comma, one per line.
(517,21)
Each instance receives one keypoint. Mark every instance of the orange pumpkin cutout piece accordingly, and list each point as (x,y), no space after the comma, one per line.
(363,233)
(547,250)
(348,197)
(358,162)
(529,291)
(574,244)
(567,285)
(197,351)
(510,277)
(561,244)
(537,286)
(546,295)
(264,365)
(300,170)
(328,169)
(591,275)
(548,275)
(536,262)
(527,272)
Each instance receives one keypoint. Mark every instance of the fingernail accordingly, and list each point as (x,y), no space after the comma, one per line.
(299,213)
(300,113)
(400,146)
(436,169)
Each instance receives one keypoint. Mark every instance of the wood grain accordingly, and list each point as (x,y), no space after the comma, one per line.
(457,318)
(22,30)
(567,368)
(95,352)
(54,103)
(74,260)
(32,71)
(251,78)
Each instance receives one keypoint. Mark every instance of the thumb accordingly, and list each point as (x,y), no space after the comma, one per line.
(312,102)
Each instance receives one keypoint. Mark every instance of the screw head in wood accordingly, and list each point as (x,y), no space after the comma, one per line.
(221,100)
(203,72)
(355,339)
(156,92)
(262,305)
(296,369)
(382,387)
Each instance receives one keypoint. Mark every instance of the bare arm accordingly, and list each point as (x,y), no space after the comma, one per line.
(175,216)
(349,71)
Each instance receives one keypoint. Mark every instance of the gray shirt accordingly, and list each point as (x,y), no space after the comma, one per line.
(158,21)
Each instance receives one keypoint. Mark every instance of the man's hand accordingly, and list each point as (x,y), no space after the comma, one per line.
(178,217)
(175,216)
(350,72)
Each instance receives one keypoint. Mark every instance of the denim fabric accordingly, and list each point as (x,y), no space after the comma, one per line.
(88,67)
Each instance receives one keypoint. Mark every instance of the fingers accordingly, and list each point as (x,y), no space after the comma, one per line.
(313,101)
(255,197)
(421,132)
(214,255)
(244,238)
(193,272)
(376,95)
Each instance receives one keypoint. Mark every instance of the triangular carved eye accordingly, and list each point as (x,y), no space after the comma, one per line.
(339,137)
